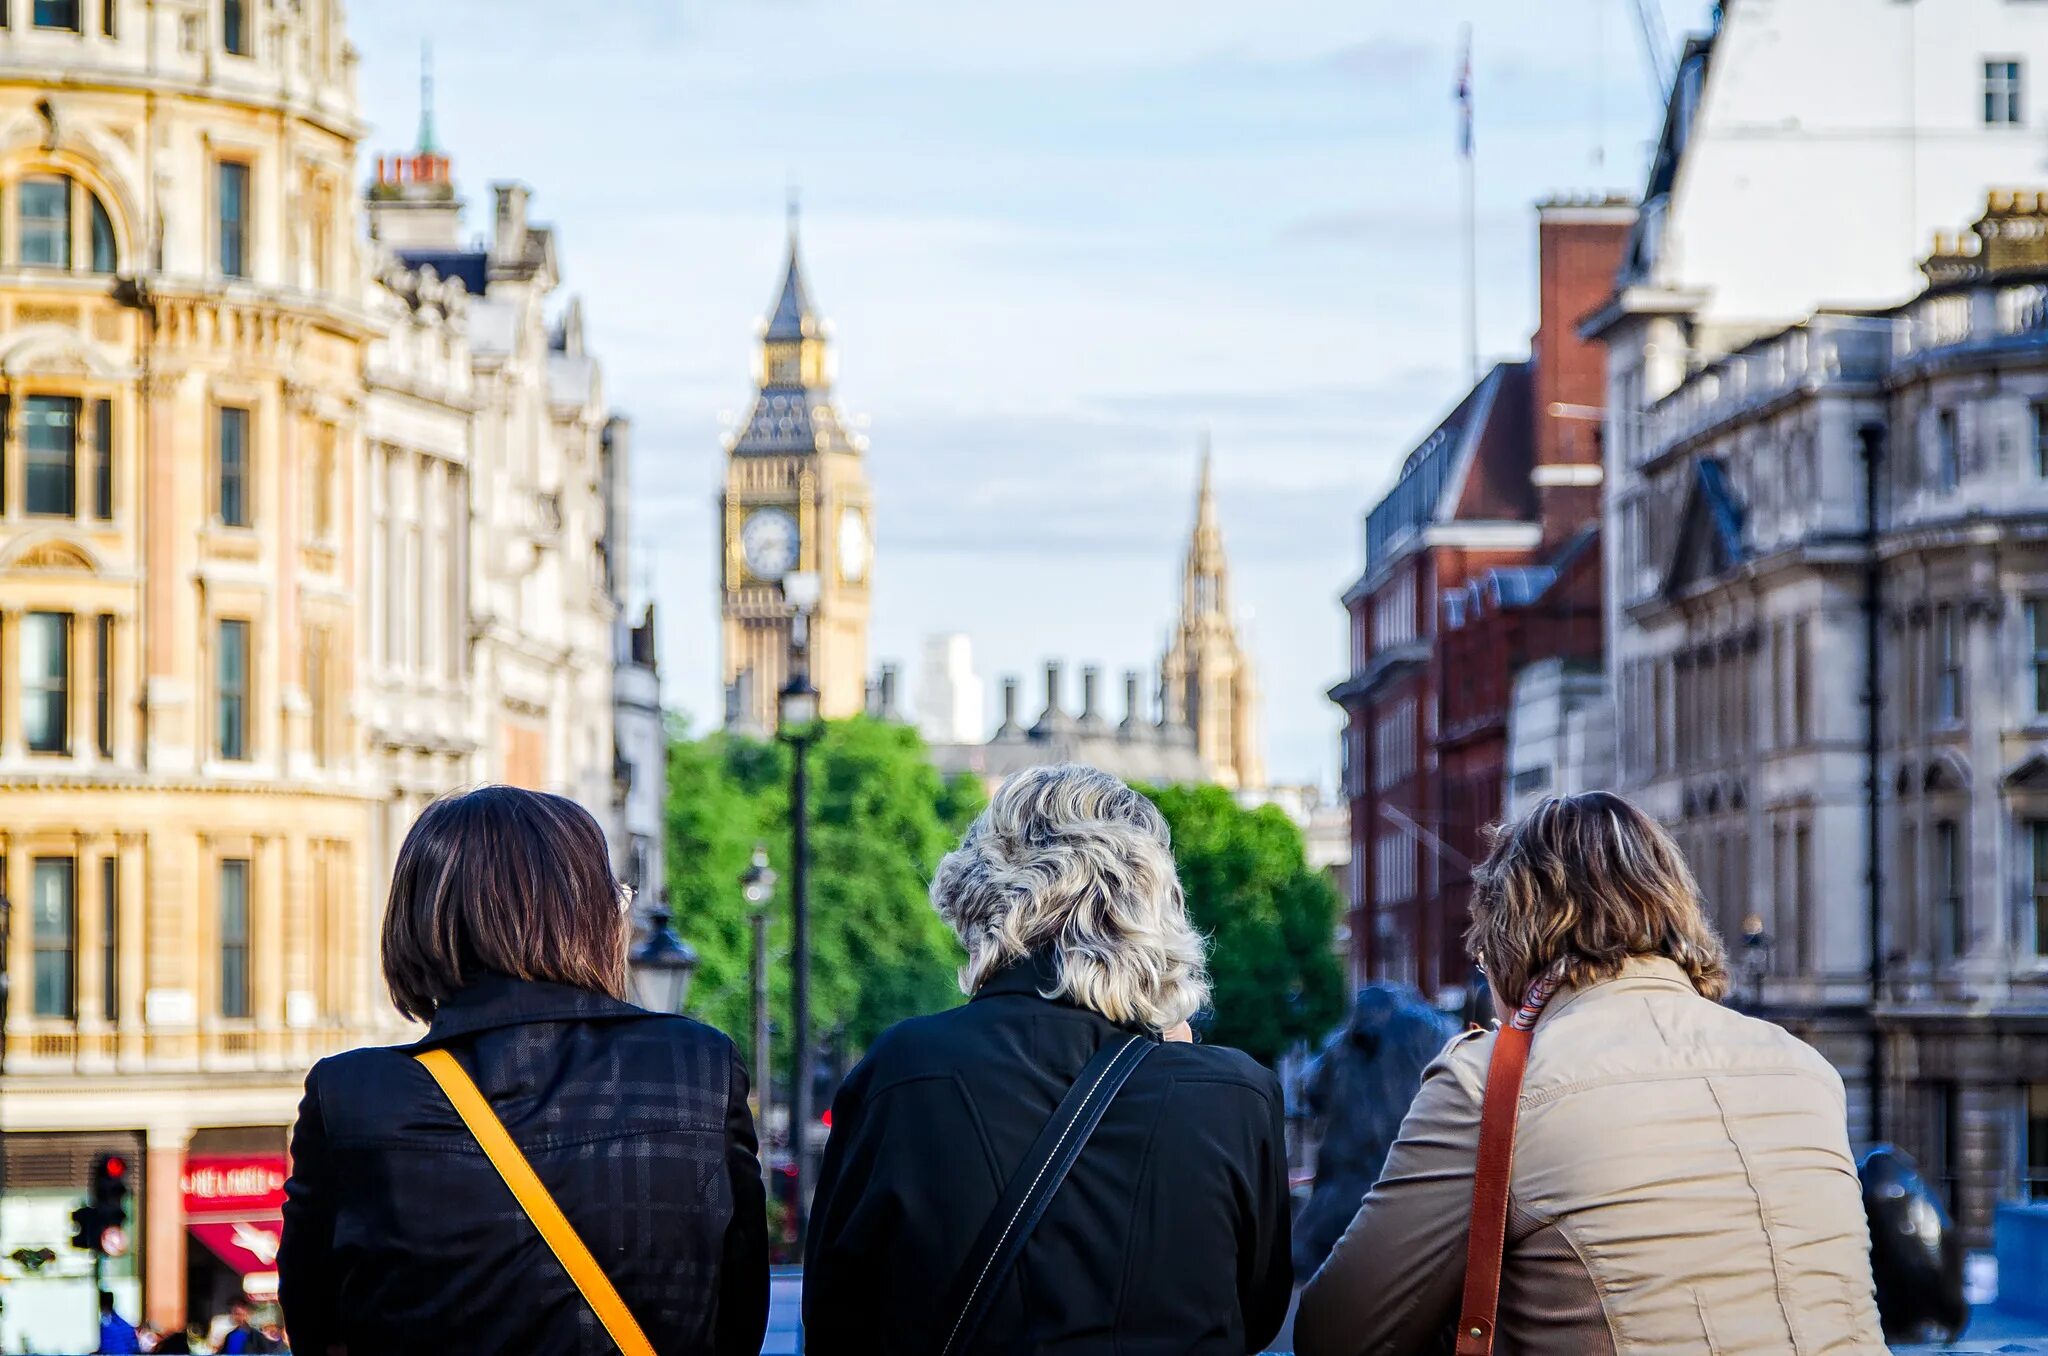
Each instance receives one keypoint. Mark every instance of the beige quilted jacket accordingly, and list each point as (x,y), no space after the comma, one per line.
(1682,1183)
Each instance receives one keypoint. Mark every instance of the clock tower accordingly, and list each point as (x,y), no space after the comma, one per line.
(796,501)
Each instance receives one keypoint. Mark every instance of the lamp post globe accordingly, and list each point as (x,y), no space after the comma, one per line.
(662,964)
(757,882)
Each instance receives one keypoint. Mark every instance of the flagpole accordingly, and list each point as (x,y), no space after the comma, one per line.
(1471,214)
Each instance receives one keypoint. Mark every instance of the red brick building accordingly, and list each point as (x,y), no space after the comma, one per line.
(1483,556)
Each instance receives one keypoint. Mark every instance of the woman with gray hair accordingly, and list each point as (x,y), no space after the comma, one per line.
(1054,1165)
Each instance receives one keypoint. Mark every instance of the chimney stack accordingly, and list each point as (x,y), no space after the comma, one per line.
(889,692)
(1010,729)
(1132,720)
(1091,684)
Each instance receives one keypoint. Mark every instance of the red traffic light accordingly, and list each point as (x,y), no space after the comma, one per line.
(117,1167)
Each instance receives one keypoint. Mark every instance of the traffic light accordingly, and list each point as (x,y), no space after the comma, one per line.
(100,1225)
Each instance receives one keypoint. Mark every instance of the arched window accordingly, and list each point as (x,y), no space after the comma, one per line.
(104,256)
(52,209)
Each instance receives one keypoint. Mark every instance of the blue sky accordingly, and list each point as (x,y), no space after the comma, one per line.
(1057,242)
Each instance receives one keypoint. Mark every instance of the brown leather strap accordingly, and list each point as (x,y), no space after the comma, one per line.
(1493,1170)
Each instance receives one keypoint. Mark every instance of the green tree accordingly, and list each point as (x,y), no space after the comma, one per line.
(880,819)
(1268,917)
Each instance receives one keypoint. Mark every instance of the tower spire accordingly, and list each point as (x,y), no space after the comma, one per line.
(426,146)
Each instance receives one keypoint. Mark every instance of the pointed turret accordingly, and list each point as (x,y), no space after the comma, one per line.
(412,203)
(792,320)
(1206,681)
(794,411)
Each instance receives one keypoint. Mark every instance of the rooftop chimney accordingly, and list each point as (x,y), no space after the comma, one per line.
(1133,721)
(508,236)
(1054,718)
(1009,729)
(888,693)
(1091,682)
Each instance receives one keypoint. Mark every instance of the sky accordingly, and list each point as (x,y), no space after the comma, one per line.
(1057,244)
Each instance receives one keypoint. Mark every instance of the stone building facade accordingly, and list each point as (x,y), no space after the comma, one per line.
(1837,694)
(183,793)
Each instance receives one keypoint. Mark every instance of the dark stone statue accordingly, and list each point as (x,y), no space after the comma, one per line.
(1915,1256)
(1358,1087)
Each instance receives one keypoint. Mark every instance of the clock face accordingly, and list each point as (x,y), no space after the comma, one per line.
(768,541)
(853,545)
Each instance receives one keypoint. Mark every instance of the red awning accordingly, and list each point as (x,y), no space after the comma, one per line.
(249,1247)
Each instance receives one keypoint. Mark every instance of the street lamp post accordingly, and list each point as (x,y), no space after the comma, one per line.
(757,883)
(797,724)
(662,964)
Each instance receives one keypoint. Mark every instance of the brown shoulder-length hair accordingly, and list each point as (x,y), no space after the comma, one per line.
(502,881)
(1589,880)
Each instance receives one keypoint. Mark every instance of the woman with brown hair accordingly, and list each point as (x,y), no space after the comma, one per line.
(1672,1177)
(550,1168)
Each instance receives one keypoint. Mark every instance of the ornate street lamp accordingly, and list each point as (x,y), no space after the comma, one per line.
(662,963)
(797,726)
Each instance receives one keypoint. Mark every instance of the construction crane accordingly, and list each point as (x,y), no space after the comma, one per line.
(1656,46)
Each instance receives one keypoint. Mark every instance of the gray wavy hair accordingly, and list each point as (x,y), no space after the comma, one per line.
(1071,858)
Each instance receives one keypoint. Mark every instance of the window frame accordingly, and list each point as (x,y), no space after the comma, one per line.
(102,459)
(1946,650)
(66,185)
(110,934)
(243,419)
(33,458)
(234,28)
(36,21)
(1951,922)
(2005,84)
(232,701)
(1948,451)
(2031,1139)
(234,997)
(103,685)
(51,688)
(228,169)
(65,943)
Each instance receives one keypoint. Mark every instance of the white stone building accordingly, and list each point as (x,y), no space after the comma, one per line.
(1560,735)
(950,701)
(1738,569)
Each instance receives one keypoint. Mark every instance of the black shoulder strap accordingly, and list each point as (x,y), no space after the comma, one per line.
(1031,1189)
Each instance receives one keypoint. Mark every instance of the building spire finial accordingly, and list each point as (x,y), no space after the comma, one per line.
(793,208)
(426,145)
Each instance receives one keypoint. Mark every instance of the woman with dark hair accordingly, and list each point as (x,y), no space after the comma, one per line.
(550,1168)
(1626,1166)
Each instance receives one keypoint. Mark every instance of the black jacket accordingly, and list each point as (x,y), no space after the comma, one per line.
(1169,1236)
(399,1235)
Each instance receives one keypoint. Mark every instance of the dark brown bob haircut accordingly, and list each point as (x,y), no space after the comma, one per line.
(502,881)
(1589,880)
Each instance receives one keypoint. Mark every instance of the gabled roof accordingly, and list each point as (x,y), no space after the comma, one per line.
(1709,530)
(1488,432)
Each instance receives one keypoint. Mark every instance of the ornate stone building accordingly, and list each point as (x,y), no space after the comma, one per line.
(796,500)
(183,791)
(1838,605)
(1206,680)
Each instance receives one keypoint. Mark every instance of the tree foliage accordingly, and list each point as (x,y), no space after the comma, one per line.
(880,819)
(1268,917)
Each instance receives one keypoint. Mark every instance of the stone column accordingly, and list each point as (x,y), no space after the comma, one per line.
(163,1226)
(267,937)
(134,850)
(90,948)
(10,668)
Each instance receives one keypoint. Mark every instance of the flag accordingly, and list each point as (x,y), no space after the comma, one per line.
(1464,93)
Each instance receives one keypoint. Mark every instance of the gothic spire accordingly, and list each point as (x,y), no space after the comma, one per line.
(1205,547)
(427,146)
(792,319)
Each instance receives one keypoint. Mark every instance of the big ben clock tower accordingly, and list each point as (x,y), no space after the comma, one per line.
(796,501)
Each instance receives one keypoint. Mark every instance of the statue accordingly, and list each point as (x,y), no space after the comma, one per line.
(1915,1256)
(1359,1087)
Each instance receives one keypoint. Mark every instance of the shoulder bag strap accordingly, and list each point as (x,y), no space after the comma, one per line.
(1486,1244)
(1031,1189)
(555,1229)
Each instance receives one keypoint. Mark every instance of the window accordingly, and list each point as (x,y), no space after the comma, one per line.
(1944,1139)
(46,681)
(1802,682)
(107,9)
(57,14)
(104,256)
(2038,412)
(1948,465)
(46,221)
(2002,90)
(234,937)
(1948,667)
(110,934)
(231,683)
(321,501)
(1948,864)
(103,688)
(233,218)
(54,896)
(50,431)
(2037,898)
(234,27)
(2033,1137)
(103,460)
(2037,651)
(231,466)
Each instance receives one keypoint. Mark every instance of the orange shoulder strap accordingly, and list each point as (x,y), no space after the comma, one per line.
(1494,1170)
(555,1229)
